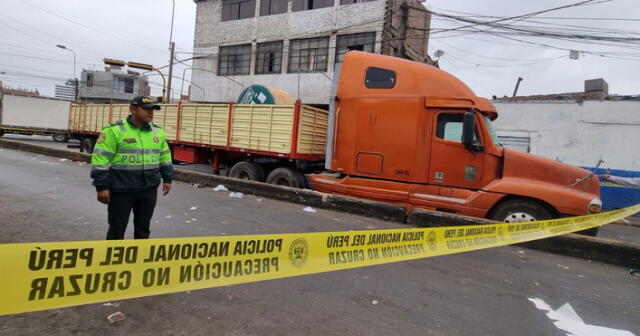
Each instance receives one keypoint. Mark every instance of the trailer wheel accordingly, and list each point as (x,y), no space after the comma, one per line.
(519,210)
(246,170)
(87,145)
(1,132)
(60,137)
(287,177)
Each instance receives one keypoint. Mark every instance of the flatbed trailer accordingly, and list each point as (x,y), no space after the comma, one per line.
(267,143)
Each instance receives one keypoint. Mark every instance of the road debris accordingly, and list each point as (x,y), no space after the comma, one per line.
(193,208)
(374,302)
(310,210)
(220,187)
(116,317)
(236,195)
(112,304)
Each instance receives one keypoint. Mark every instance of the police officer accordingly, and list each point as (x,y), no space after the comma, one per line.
(128,161)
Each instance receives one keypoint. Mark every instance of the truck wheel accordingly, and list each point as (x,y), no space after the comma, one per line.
(513,211)
(246,170)
(1,132)
(87,145)
(287,177)
(60,137)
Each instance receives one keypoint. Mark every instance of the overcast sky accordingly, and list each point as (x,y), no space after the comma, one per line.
(490,64)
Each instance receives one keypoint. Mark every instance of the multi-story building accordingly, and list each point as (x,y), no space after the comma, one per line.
(111,86)
(294,45)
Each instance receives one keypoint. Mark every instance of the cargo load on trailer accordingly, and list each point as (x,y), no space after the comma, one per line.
(29,115)
(272,143)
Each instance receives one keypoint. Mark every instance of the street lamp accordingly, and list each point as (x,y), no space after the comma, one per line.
(75,79)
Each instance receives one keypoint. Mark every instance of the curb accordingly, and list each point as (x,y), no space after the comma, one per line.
(586,247)
(356,206)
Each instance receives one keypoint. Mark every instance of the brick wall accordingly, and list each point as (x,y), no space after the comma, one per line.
(385,17)
(406,30)
(211,32)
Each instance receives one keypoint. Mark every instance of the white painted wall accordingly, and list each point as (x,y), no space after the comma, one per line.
(34,112)
(210,33)
(574,133)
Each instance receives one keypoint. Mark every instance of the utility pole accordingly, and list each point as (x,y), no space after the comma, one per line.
(173,48)
(515,91)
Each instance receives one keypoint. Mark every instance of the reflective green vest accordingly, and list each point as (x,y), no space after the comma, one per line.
(127,158)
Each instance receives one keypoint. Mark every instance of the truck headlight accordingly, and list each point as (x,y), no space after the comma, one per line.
(595,206)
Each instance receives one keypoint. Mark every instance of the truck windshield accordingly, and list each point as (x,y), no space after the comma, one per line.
(492,131)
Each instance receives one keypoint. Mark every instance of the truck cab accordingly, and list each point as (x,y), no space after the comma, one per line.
(411,134)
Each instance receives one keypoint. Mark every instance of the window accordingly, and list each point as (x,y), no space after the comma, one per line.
(362,42)
(492,131)
(269,58)
(522,144)
(89,80)
(270,7)
(123,85)
(378,78)
(309,55)
(450,127)
(300,5)
(349,2)
(238,9)
(234,60)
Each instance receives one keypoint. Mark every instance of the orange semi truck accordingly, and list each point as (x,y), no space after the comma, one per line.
(411,134)
(397,131)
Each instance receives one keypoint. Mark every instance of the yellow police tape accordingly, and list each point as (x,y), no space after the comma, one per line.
(38,276)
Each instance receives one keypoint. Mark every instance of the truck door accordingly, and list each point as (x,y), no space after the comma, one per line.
(452,164)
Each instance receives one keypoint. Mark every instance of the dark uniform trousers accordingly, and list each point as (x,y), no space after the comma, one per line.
(141,202)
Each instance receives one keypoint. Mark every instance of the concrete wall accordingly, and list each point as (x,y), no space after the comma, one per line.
(210,33)
(577,134)
(34,112)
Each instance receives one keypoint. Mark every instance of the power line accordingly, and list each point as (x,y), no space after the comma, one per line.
(475,22)
(91,28)
(57,39)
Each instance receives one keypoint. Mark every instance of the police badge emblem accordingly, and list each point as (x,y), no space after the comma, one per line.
(100,138)
(431,241)
(299,252)
(156,139)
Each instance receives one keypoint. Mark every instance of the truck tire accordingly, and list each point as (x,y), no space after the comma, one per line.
(246,170)
(519,210)
(60,137)
(287,177)
(1,132)
(87,145)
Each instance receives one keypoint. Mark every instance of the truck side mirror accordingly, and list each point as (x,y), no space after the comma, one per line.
(469,130)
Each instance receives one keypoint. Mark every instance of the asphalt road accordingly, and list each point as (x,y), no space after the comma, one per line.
(477,293)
